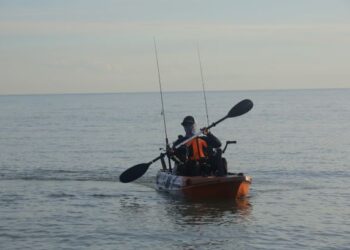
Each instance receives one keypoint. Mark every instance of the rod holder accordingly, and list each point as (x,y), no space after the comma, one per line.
(227,143)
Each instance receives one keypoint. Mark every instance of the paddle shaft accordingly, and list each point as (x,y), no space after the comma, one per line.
(157,158)
(199,133)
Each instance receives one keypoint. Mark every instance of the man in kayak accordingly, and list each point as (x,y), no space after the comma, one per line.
(201,155)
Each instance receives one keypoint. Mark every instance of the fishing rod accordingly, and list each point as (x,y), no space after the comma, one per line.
(161,99)
(203,85)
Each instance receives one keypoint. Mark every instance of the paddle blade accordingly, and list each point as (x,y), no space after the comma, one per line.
(134,172)
(240,108)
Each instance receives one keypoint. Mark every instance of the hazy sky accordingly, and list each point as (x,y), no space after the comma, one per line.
(79,46)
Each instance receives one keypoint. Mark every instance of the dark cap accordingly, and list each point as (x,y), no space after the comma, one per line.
(188,120)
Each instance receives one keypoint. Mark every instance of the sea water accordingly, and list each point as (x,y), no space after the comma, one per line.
(61,155)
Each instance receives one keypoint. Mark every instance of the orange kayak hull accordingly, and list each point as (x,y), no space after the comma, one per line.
(232,186)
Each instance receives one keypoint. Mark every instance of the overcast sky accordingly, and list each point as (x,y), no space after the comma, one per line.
(86,46)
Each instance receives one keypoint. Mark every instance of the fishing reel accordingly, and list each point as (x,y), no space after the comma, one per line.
(163,150)
(167,151)
(170,154)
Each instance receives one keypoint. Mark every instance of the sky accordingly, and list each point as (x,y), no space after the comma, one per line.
(90,46)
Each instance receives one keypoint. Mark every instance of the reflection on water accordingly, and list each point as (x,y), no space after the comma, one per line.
(203,212)
(181,211)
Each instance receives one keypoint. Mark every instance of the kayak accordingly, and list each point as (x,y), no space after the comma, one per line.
(231,186)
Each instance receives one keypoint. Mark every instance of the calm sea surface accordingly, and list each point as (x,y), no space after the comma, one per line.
(61,155)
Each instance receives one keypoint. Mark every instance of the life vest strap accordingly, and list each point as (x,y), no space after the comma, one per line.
(198,146)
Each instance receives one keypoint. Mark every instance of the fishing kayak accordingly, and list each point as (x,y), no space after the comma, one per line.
(231,186)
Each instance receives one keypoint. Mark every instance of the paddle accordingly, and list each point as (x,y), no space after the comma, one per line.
(138,170)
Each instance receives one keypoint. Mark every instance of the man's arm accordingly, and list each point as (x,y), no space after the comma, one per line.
(212,140)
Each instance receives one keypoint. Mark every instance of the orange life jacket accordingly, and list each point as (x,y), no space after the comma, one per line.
(197,145)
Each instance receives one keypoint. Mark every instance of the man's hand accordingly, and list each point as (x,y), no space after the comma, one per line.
(205,131)
(170,152)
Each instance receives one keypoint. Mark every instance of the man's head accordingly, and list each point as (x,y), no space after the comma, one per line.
(189,125)
(188,120)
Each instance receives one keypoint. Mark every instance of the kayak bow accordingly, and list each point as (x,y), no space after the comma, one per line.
(231,186)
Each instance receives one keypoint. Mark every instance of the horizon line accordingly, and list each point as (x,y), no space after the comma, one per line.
(170,91)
